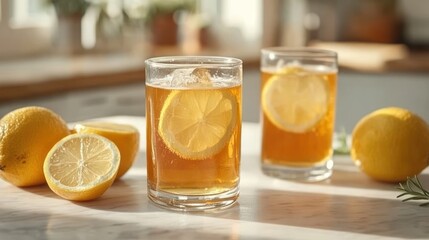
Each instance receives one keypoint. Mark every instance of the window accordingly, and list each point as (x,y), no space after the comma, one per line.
(21,20)
(236,23)
(29,13)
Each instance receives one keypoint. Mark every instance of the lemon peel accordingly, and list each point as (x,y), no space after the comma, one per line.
(391,144)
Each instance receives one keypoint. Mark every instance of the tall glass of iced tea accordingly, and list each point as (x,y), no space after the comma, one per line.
(193,112)
(298,91)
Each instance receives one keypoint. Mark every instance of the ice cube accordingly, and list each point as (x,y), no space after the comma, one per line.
(202,75)
(191,77)
(281,64)
(182,77)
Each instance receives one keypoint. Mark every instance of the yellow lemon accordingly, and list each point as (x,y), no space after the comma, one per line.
(295,100)
(26,136)
(391,144)
(126,138)
(81,167)
(198,123)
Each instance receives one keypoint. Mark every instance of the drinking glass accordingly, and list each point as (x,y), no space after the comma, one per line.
(298,92)
(193,111)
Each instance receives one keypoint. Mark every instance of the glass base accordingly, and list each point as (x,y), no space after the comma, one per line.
(306,174)
(193,202)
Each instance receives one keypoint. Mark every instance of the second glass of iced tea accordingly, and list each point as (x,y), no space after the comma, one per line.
(298,92)
(193,112)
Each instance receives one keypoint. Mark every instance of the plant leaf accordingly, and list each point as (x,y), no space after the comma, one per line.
(414,198)
(402,194)
(414,189)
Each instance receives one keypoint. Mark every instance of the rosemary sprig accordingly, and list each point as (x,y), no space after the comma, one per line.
(415,191)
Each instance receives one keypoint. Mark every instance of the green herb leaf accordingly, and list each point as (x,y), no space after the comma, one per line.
(415,189)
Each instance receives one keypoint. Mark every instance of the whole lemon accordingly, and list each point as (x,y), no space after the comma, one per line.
(26,136)
(391,144)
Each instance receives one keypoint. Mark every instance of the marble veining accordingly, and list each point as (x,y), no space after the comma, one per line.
(347,206)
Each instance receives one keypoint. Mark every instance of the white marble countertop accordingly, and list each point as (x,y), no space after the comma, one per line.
(348,206)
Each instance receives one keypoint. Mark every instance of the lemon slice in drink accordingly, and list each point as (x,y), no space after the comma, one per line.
(295,100)
(81,167)
(197,124)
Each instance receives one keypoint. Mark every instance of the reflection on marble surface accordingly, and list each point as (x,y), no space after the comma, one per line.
(348,206)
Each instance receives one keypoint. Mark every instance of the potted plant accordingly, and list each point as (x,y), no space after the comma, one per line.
(163,19)
(67,8)
(68,33)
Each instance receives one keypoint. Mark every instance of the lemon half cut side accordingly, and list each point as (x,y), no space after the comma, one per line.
(295,102)
(197,124)
(81,167)
(125,137)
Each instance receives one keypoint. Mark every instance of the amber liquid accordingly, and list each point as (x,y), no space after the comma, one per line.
(280,147)
(169,172)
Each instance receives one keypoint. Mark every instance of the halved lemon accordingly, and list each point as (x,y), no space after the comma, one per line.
(197,124)
(81,167)
(125,137)
(295,101)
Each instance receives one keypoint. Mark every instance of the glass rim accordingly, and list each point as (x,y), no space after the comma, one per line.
(193,61)
(300,52)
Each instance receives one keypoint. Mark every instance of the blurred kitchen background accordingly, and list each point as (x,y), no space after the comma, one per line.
(85,58)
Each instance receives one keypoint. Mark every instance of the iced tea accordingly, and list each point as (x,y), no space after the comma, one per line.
(298,111)
(193,138)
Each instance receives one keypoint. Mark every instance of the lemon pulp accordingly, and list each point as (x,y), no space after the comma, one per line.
(295,100)
(125,137)
(81,166)
(196,124)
